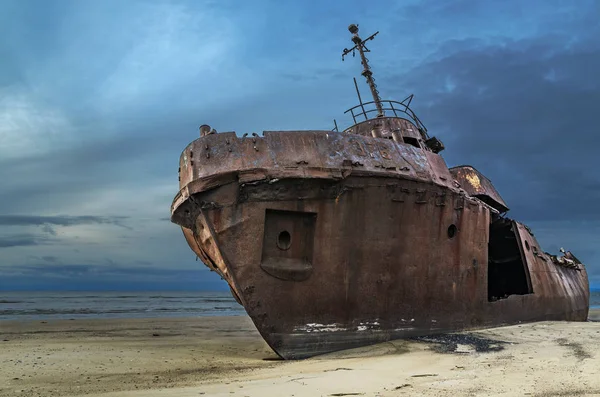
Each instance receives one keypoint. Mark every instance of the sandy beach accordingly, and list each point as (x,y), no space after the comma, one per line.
(225,356)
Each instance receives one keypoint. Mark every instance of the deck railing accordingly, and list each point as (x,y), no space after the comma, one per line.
(397,108)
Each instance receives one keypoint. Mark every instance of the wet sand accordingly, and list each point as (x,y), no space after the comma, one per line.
(225,356)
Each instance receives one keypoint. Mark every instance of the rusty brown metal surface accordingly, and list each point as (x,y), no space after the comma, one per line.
(336,240)
(369,225)
(477,185)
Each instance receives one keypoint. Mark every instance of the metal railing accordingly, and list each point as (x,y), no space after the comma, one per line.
(401,108)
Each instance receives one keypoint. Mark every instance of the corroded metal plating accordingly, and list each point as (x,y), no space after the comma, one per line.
(335,240)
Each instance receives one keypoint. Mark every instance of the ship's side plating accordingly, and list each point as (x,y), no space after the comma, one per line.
(334,240)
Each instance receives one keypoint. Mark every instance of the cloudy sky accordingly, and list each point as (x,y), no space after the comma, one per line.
(97,100)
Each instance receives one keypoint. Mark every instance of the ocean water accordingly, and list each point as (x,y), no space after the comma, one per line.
(595,299)
(66,305)
(78,305)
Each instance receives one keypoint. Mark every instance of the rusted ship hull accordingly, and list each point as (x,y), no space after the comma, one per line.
(332,241)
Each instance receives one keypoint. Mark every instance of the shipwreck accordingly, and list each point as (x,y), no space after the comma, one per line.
(332,240)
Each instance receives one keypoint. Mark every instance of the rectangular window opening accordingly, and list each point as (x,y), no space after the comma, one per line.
(411,141)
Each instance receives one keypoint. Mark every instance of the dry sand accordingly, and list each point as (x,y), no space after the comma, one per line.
(225,356)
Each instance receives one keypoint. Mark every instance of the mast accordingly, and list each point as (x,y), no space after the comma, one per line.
(359,44)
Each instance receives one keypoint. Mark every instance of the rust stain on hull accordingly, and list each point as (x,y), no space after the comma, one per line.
(336,240)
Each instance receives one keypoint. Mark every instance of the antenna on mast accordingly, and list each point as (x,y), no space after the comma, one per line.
(359,44)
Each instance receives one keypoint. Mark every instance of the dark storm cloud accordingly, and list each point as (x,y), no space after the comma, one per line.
(146,150)
(108,276)
(47,223)
(33,220)
(99,161)
(522,112)
(70,270)
(22,240)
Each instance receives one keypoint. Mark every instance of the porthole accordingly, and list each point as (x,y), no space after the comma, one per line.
(527,245)
(284,240)
(452,231)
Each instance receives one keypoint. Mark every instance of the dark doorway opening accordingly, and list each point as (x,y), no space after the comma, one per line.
(507,272)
